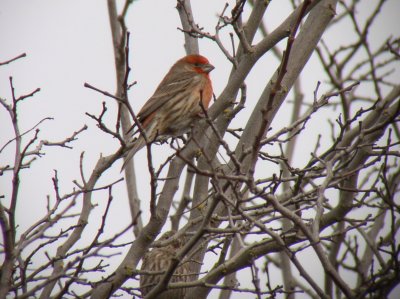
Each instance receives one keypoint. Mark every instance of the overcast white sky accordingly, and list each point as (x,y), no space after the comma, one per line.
(69,42)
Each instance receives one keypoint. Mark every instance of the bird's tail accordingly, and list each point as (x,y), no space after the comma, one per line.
(138,144)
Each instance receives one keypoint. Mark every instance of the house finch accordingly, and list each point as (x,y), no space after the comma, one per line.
(176,102)
(158,260)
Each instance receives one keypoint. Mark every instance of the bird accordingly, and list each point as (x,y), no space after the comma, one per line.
(178,101)
(158,260)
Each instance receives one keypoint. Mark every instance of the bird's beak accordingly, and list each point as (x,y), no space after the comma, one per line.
(208,68)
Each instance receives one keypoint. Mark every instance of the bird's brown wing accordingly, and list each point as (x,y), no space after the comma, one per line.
(170,88)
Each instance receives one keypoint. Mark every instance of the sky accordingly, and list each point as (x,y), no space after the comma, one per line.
(68,43)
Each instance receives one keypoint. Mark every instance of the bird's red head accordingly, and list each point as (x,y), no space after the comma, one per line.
(193,59)
(199,63)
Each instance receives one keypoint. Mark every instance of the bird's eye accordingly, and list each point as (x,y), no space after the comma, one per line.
(197,64)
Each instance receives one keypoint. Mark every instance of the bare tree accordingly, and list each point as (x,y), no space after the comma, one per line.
(245,201)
